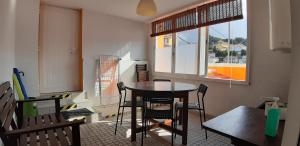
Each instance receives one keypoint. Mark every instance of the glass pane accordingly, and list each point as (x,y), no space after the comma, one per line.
(227,52)
(218,63)
(238,46)
(163,53)
(186,52)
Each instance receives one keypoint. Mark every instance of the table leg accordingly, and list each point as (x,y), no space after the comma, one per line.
(185,118)
(180,114)
(133,116)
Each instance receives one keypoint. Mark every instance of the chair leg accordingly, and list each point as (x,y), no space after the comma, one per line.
(122,116)
(146,128)
(205,134)
(204,115)
(173,132)
(175,121)
(143,125)
(117,120)
(205,121)
(142,141)
(200,118)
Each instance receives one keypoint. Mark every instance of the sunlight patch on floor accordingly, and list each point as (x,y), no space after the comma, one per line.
(128,133)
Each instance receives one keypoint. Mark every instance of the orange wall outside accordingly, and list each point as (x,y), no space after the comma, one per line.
(238,73)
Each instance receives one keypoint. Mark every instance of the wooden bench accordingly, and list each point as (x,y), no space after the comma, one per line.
(50,129)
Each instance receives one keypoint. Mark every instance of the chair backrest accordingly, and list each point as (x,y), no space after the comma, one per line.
(202,89)
(140,67)
(142,76)
(8,106)
(162,80)
(121,87)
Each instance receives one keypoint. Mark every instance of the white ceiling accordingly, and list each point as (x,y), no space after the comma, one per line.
(123,8)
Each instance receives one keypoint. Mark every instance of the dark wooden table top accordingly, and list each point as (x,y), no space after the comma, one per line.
(244,124)
(161,86)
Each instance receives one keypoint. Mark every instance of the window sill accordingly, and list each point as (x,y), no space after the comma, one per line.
(191,78)
(235,82)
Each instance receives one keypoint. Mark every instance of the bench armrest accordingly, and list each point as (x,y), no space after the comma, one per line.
(20,104)
(44,127)
(33,99)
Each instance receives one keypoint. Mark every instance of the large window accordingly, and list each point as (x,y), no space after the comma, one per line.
(217,51)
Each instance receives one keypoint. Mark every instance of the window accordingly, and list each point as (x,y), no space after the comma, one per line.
(186,52)
(217,51)
(163,53)
(227,49)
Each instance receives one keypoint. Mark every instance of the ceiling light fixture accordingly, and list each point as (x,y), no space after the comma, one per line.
(146,8)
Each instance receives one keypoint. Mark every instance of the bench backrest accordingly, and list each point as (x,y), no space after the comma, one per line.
(7,108)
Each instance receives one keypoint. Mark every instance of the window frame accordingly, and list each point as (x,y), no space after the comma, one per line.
(197,76)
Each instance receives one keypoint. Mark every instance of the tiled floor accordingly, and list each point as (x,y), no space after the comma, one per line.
(102,134)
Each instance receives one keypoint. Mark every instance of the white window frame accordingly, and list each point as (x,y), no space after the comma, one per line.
(197,77)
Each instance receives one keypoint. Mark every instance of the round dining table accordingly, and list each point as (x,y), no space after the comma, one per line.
(179,89)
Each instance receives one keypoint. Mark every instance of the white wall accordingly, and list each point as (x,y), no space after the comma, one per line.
(102,34)
(27,28)
(109,35)
(269,71)
(7,39)
(292,127)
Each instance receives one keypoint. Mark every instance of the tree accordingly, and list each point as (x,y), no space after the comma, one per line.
(233,53)
(213,40)
(243,52)
(239,40)
(221,54)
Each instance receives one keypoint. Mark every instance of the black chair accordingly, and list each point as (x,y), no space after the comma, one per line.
(123,103)
(157,99)
(195,106)
(151,113)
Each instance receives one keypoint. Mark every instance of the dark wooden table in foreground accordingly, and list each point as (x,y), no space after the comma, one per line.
(245,126)
(181,90)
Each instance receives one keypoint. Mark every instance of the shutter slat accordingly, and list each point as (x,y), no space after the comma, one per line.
(175,23)
(208,14)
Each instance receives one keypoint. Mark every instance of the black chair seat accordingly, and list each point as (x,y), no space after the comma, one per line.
(129,104)
(158,114)
(179,105)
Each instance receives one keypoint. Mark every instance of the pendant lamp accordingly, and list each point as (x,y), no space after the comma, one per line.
(146,8)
